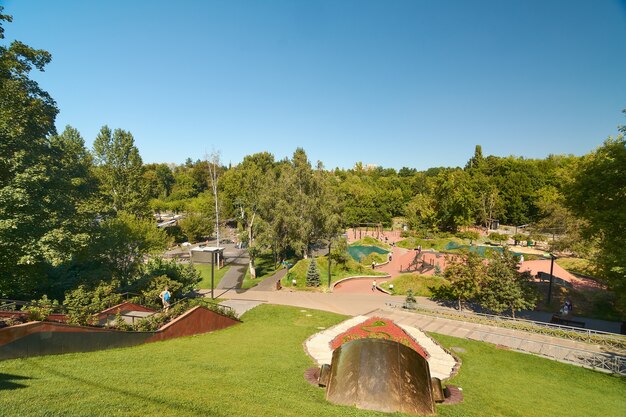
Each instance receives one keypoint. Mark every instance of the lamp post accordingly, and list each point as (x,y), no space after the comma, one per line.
(552,258)
(212,274)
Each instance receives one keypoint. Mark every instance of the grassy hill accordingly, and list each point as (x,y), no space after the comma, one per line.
(256,369)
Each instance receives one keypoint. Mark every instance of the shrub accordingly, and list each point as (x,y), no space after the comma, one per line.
(83,302)
(39,310)
(313,275)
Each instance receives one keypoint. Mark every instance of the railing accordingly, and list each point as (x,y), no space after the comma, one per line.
(211,306)
(598,337)
(608,362)
(19,305)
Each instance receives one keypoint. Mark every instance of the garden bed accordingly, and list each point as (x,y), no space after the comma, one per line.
(377,328)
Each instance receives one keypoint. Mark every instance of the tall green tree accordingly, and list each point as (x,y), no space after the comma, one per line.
(119,169)
(598,195)
(43,177)
(248,186)
(504,288)
(465,273)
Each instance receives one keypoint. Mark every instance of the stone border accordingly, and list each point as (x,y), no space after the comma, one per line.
(442,364)
(359,277)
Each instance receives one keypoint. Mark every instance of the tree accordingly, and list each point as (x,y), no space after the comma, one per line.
(505,288)
(249,187)
(120,171)
(498,237)
(465,274)
(122,243)
(313,274)
(196,226)
(597,194)
(43,177)
(453,200)
(214,168)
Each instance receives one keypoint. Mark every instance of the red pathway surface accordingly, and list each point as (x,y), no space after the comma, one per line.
(534,267)
(402,258)
(360,286)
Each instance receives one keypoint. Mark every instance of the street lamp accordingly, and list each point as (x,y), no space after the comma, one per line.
(552,258)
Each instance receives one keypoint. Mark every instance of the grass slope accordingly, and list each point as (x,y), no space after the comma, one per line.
(298,272)
(256,369)
(418,283)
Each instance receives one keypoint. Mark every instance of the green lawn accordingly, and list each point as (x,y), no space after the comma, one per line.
(418,283)
(256,369)
(299,270)
(205,273)
(438,244)
(370,241)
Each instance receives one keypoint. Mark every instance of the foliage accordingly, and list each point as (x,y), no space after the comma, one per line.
(44,178)
(299,272)
(158,320)
(498,237)
(339,252)
(122,243)
(505,288)
(83,302)
(39,310)
(196,226)
(465,274)
(120,170)
(274,335)
(598,195)
(313,275)
(371,241)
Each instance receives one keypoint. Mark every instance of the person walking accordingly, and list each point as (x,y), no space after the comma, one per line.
(374,285)
(165,299)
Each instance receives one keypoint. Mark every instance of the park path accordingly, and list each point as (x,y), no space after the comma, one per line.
(354,304)
(269,283)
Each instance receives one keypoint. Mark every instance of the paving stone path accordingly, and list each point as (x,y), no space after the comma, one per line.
(560,349)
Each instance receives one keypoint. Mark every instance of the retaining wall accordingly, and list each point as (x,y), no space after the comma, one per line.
(45,338)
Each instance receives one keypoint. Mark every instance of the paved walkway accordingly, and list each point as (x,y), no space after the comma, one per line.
(269,283)
(238,260)
(366,304)
(552,347)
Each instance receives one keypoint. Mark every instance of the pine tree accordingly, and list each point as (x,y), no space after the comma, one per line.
(313,275)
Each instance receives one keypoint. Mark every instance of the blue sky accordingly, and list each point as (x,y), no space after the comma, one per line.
(394,83)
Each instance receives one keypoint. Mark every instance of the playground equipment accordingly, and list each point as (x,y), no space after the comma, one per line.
(371,229)
(419,264)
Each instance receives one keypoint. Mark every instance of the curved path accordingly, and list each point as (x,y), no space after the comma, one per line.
(569,351)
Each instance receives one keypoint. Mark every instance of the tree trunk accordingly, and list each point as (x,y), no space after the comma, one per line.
(252,268)
(250,243)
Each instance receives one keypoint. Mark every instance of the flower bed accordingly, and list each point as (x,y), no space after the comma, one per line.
(377,328)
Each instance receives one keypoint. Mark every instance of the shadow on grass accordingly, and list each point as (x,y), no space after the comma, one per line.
(7,381)
(175,406)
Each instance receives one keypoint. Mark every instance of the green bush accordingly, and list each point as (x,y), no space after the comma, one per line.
(84,302)
(39,310)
